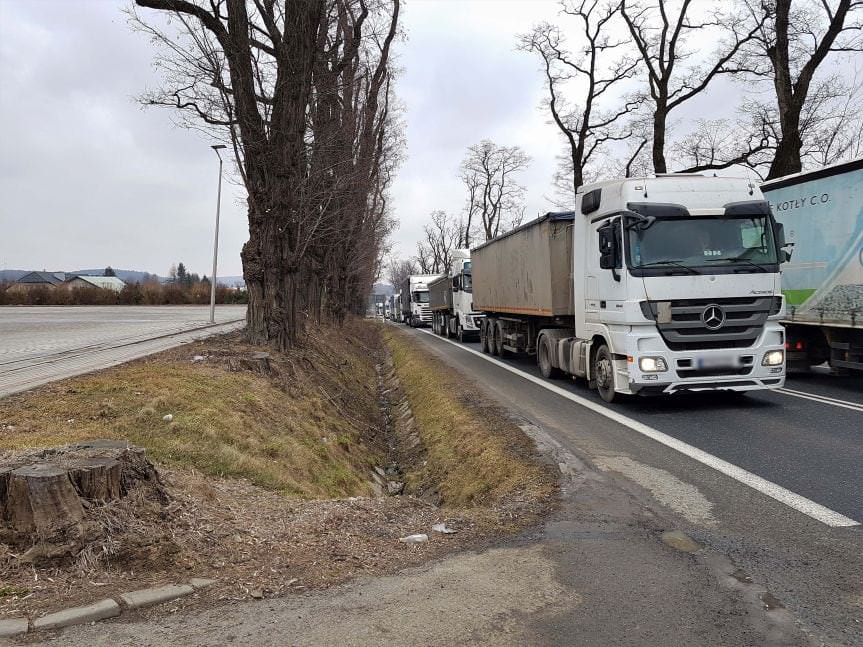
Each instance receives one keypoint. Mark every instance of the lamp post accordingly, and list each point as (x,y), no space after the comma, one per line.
(217,148)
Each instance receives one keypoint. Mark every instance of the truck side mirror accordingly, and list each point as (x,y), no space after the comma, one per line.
(607,247)
(781,244)
(455,284)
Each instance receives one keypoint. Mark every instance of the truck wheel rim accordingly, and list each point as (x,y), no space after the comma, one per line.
(603,373)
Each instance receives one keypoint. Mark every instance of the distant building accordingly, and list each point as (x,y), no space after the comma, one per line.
(38,280)
(103,282)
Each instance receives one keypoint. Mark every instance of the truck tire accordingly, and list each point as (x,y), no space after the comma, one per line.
(543,359)
(499,350)
(603,374)
(446,331)
(484,345)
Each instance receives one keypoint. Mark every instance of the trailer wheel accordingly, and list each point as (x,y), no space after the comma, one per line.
(499,350)
(483,337)
(543,358)
(603,374)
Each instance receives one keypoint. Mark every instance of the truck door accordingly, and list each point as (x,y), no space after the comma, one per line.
(606,278)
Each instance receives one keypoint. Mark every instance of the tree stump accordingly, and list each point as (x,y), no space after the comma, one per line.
(45,494)
(42,503)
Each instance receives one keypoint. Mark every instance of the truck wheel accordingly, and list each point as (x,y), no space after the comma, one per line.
(603,374)
(483,337)
(543,358)
(499,350)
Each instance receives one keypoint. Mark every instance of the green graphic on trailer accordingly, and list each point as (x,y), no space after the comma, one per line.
(823,217)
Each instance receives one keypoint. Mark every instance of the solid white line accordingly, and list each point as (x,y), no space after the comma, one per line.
(821,398)
(777,492)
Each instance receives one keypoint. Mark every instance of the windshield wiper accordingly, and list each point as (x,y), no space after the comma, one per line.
(668,262)
(737,259)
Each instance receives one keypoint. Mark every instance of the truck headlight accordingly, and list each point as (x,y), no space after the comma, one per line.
(773,358)
(652,364)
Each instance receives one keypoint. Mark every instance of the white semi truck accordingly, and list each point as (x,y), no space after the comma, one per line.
(822,211)
(652,286)
(451,300)
(415,300)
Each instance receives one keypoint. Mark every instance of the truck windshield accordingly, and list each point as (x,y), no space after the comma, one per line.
(467,282)
(421,297)
(708,242)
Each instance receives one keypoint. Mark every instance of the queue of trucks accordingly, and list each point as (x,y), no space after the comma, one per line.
(666,284)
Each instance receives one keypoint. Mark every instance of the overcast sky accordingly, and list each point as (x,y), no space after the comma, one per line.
(88,178)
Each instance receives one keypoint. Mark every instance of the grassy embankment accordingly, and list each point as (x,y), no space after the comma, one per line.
(288,433)
(474,454)
(310,430)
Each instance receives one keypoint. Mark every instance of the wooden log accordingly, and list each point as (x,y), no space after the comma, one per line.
(42,503)
(97,479)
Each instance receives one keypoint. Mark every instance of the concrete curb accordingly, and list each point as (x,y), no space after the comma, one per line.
(103,609)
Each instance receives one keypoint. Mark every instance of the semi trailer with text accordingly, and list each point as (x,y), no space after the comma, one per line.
(822,212)
(653,285)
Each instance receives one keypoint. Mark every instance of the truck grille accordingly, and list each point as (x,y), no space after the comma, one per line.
(425,313)
(744,318)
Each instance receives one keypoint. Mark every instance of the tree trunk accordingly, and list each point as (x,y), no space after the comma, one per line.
(660,117)
(787,159)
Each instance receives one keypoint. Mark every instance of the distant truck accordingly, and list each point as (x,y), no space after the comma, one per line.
(415,300)
(451,300)
(822,212)
(395,307)
(652,286)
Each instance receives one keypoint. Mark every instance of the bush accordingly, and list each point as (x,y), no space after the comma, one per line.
(150,293)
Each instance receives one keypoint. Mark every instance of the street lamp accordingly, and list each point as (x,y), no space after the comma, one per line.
(217,148)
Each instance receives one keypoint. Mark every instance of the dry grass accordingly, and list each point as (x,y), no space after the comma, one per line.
(295,437)
(475,455)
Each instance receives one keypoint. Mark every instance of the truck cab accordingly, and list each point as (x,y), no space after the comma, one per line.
(451,300)
(415,300)
(677,285)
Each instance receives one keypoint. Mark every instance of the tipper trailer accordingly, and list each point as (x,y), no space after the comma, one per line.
(415,299)
(451,300)
(822,211)
(653,285)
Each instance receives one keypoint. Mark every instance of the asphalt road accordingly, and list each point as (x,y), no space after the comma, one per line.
(812,448)
(796,437)
(42,344)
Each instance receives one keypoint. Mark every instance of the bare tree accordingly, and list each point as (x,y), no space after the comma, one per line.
(300,92)
(792,40)
(400,269)
(495,198)
(585,125)
(442,237)
(660,31)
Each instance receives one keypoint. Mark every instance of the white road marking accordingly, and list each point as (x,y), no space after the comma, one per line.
(800,503)
(845,404)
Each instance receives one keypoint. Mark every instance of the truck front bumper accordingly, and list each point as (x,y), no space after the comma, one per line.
(727,369)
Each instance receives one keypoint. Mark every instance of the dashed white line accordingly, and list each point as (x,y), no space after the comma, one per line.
(845,404)
(777,492)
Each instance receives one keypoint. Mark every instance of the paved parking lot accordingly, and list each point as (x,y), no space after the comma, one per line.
(41,344)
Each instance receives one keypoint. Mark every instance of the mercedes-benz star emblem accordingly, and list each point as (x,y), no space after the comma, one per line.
(713,317)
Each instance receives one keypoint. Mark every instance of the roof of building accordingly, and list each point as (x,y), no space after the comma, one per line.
(52,278)
(107,282)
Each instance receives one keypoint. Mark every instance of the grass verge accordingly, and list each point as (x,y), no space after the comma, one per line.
(474,454)
(291,433)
